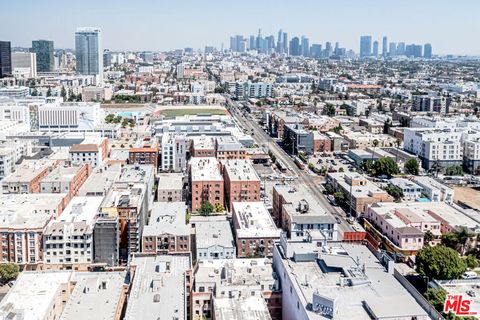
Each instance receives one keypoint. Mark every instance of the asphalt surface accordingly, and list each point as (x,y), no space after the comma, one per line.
(262,138)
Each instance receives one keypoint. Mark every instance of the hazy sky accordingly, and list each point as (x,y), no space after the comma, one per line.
(452,26)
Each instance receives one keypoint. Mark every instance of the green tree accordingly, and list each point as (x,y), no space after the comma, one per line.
(339,197)
(436,297)
(454,171)
(385,166)
(428,237)
(8,272)
(219,90)
(471,261)
(63,93)
(206,209)
(219,207)
(109,118)
(368,166)
(457,239)
(395,192)
(329,110)
(412,167)
(49,92)
(440,262)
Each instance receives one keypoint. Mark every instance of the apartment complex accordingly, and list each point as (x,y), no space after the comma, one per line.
(242,183)
(206,182)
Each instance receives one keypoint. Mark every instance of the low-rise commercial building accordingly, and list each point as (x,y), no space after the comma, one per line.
(357,189)
(296,210)
(37,295)
(96,295)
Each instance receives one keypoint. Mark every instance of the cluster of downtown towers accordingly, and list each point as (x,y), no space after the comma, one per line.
(88,54)
(301,47)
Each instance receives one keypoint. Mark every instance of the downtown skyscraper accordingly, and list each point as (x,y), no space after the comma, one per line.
(365,46)
(44,55)
(89,52)
(5,59)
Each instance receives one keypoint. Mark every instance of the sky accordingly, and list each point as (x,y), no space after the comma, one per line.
(451,26)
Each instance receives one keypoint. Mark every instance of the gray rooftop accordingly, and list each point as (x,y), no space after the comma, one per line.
(167,218)
(210,233)
(158,289)
(96,296)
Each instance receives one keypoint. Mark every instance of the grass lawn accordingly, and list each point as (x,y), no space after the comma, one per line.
(182,112)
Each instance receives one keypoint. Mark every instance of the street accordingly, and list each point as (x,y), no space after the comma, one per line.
(304,177)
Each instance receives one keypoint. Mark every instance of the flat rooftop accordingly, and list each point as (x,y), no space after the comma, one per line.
(33,293)
(158,288)
(203,143)
(364,191)
(297,194)
(254,221)
(62,174)
(245,308)
(28,211)
(77,218)
(215,232)
(135,173)
(28,170)
(169,181)
(205,169)
(167,218)
(240,170)
(365,282)
(244,274)
(100,181)
(96,296)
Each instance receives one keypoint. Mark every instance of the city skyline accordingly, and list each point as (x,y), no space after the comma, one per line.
(158,28)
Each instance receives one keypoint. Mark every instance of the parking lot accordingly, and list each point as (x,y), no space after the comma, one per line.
(331,162)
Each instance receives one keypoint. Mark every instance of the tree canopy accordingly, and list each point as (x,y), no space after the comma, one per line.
(440,262)
(206,209)
(412,167)
(8,271)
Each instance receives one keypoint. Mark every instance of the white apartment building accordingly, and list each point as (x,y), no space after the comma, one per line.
(68,240)
(434,190)
(434,146)
(174,152)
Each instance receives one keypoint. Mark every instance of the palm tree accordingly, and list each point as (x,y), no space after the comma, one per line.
(375,144)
